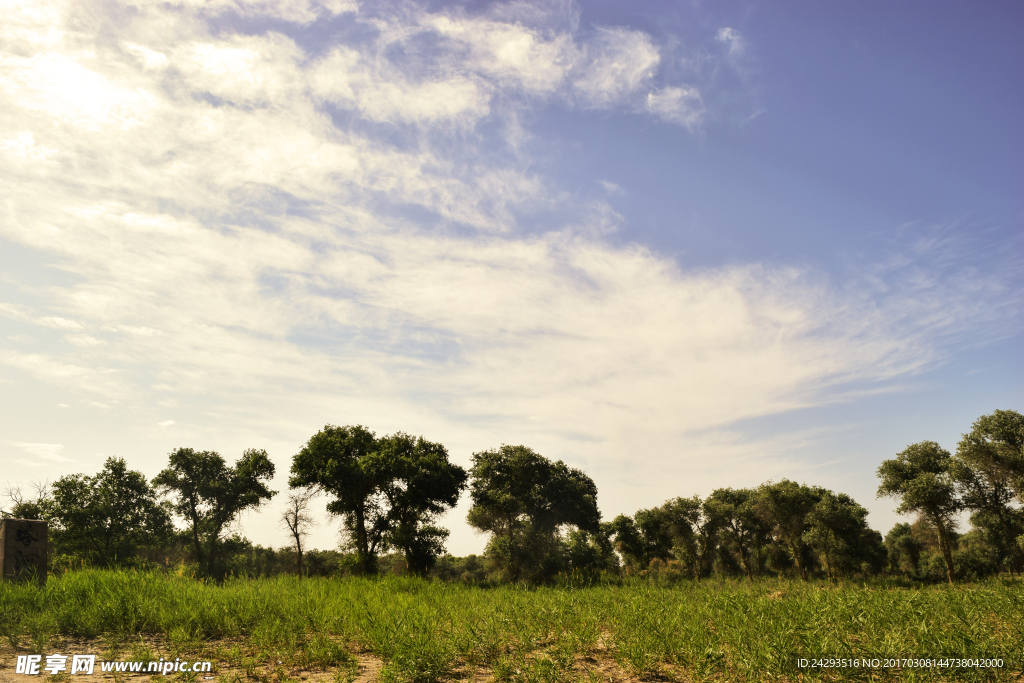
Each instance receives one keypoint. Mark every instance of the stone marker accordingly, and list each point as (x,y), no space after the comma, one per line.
(22,549)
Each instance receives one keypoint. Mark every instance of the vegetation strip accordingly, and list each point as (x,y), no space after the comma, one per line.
(427,630)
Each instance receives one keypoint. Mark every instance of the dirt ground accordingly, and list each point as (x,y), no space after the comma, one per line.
(368,666)
(367,670)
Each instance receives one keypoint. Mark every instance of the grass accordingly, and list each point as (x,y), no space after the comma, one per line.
(273,629)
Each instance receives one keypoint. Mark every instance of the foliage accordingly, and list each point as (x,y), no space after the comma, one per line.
(904,551)
(989,470)
(108,518)
(210,496)
(524,500)
(837,530)
(995,445)
(735,514)
(784,507)
(590,554)
(920,477)
(388,490)
(421,484)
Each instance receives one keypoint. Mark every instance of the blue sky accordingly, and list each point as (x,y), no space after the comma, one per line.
(681,246)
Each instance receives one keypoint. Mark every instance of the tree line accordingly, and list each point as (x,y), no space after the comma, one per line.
(541,515)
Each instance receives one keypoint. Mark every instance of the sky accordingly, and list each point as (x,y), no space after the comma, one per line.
(678,245)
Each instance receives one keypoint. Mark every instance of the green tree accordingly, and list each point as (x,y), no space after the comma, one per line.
(209,496)
(836,528)
(387,490)
(904,551)
(524,500)
(996,445)
(419,484)
(735,515)
(693,531)
(920,478)
(644,537)
(784,507)
(106,519)
(337,461)
(590,554)
(989,469)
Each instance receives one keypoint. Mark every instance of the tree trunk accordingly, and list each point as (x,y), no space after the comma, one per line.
(200,555)
(362,543)
(1011,548)
(946,552)
(799,562)
(743,560)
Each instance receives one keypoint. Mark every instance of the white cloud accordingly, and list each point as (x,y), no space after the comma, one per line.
(617,63)
(571,328)
(343,79)
(733,40)
(58,323)
(43,451)
(678,105)
(58,87)
(83,340)
(295,11)
(22,147)
(514,55)
(228,248)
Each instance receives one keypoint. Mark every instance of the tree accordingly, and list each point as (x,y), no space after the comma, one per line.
(904,551)
(106,519)
(590,554)
(989,469)
(784,507)
(694,529)
(734,513)
(297,519)
(996,445)
(420,484)
(387,490)
(210,496)
(524,500)
(920,478)
(680,527)
(644,537)
(335,460)
(836,528)
(25,507)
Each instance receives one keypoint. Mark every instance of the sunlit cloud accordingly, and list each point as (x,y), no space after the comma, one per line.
(252,227)
(43,451)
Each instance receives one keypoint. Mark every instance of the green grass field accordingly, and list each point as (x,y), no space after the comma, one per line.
(283,628)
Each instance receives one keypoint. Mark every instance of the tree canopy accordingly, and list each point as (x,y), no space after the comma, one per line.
(784,506)
(387,490)
(920,477)
(107,518)
(209,496)
(524,500)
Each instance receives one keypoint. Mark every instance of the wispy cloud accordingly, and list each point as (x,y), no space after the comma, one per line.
(733,40)
(251,222)
(43,451)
